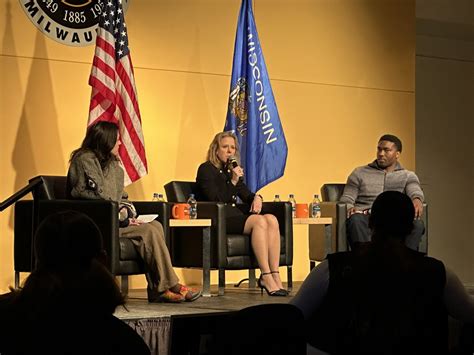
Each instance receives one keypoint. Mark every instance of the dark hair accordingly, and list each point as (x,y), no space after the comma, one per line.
(66,240)
(100,138)
(392,215)
(68,248)
(391,138)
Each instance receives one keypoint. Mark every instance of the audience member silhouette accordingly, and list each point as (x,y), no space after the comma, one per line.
(265,329)
(383,298)
(67,303)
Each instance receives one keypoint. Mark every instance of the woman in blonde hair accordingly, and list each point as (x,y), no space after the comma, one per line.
(220,179)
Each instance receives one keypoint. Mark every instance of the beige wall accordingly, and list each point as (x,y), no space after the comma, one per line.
(444,127)
(342,74)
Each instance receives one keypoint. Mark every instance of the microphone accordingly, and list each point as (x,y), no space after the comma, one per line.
(232,162)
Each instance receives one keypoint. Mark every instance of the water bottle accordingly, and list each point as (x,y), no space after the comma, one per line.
(293,205)
(158,197)
(192,207)
(277,198)
(316,207)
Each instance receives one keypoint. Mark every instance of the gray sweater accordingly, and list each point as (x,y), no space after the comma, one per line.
(366,182)
(87,180)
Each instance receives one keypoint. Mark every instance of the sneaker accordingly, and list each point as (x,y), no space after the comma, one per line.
(189,294)
(168,297)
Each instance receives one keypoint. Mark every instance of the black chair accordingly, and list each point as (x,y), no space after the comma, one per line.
(228,251)
(49,196)
(332,207)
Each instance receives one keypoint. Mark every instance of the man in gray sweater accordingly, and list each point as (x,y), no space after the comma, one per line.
(366,182)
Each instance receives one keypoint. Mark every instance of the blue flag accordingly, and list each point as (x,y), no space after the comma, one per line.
(252,113)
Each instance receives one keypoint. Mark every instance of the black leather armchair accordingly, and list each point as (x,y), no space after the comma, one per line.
(228,251)
(332,207)
(49,196)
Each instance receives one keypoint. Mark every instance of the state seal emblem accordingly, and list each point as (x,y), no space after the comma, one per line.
(70,22)
(238,105)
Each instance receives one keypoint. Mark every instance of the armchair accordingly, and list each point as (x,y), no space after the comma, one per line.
(228,251)
(332,207)
(49,196)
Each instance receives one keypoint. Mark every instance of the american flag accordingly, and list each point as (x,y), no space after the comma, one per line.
(114,95)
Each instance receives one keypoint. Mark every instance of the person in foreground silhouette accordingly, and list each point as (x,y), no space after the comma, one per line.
(219,179)
(95,173)
(67,303)
(383,297)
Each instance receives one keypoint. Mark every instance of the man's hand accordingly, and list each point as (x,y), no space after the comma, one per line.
(256,204)
(418,207)
(351,211)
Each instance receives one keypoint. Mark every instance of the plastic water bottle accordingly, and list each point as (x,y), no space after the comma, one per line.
(292,200)
(277,198)
(316,207)
(192,207)
(158,197)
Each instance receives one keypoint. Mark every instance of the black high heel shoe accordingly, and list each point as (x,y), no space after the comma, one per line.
(281,289)
(280,293)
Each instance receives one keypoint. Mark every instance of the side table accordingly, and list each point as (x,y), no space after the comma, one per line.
(205,224)
(313,232)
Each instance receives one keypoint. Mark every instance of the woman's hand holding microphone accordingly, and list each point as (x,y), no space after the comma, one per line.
(237,171)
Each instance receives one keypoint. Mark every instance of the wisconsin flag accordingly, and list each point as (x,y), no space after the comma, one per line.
(252,112)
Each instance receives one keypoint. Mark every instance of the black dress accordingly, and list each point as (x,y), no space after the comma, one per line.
(215,185)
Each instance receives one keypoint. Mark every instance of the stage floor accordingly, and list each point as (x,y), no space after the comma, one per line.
(186,328)
(234,298)
(165,327)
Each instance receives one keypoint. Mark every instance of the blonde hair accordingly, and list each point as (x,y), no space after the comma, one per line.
(214,146)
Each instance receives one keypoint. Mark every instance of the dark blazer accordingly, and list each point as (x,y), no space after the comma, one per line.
(215,185)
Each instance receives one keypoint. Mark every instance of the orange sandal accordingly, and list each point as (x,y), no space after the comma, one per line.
(189,294)
(170,297)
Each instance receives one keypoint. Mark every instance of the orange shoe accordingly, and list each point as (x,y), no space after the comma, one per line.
(189,294)
(169,297)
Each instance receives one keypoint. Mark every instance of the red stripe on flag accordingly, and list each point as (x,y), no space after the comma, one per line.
(106,115)
(105,92)
(106,69)
(128,164)
(105,46)
(127,122)
(128,84)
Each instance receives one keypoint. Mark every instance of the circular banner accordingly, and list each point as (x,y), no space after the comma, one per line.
(70,22)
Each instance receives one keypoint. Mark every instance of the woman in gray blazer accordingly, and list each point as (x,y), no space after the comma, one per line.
(95,172)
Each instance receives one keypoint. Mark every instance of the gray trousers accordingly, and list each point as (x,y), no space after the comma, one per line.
(149,241)
(357,227)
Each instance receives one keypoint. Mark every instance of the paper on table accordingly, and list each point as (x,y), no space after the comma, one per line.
(146,218)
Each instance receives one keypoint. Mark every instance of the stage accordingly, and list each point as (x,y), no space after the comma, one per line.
(168,327)
(185,328)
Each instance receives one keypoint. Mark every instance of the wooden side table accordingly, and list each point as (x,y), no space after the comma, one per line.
(205,224)
(312,232)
